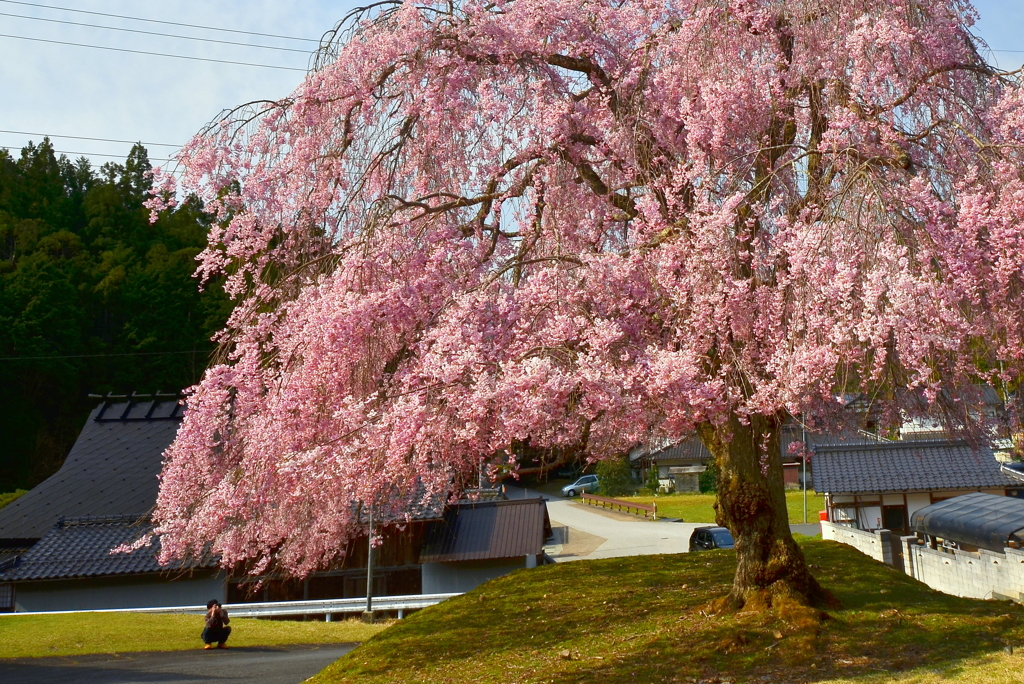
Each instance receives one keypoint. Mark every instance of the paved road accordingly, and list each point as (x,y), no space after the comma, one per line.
(278,665)
(596,533)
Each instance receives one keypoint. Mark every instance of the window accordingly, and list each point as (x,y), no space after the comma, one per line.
(894,517)
(6,598)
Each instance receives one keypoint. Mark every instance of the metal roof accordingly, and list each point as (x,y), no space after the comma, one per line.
(111,470)
(986,521)
(691,449)
(906,467)
(488,529)
(80,547)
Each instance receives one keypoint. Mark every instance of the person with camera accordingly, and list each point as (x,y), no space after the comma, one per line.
(216,630)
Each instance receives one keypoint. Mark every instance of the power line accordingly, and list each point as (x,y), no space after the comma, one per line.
(95,356)
(154,33)
(82,137)
(158,21)
(88,154)
(144,52)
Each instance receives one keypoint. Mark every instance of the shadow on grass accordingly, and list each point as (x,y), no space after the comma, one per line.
(640,619)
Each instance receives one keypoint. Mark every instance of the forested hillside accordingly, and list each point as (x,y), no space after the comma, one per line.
(93,298)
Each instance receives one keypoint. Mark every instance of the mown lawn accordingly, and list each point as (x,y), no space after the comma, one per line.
(31,636)
(641,619)
(699,507)
(9,497)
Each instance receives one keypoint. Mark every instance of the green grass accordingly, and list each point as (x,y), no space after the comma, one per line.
(641,619)
(9,497)
(698,507)
(31,636)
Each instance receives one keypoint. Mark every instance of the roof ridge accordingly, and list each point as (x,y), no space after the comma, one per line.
(136,519)
(897,444)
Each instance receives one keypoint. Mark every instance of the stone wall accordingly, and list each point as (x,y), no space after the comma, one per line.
(876,544)
(971,574)
(982,574)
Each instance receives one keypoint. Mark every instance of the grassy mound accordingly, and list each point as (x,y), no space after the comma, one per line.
(32,636)
(640,620)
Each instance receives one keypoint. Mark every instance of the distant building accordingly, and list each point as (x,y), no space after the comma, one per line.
(55,541)
(882,485)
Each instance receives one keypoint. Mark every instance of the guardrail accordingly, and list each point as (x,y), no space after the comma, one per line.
(627,506)
(276,608)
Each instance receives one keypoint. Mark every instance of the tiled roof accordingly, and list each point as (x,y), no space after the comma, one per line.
(692,449)
(905,467)
(111,470)
(80,547)
(488,529)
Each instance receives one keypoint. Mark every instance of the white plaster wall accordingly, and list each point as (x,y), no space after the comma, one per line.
(892,499)
(917,501)
(444,578)
(125,592)
(874,544)
(871,517)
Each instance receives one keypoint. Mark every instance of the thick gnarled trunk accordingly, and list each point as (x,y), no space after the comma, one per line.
(771,570)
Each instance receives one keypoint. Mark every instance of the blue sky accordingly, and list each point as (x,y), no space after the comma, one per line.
(67,90)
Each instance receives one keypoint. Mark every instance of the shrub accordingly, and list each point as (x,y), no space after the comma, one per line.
(709,479)
(614,476)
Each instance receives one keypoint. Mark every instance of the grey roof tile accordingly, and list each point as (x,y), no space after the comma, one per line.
(905,467)
(80,547)
(111,470)
(488,529)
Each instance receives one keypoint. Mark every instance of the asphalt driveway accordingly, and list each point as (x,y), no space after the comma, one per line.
(270,665)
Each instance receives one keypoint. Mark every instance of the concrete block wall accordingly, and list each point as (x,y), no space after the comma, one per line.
(982,574)
(875,544)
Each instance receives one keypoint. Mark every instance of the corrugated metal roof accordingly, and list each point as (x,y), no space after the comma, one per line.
(488,529)
(80,547)
(691,449)
(111,470)
(905,467)
(986,521)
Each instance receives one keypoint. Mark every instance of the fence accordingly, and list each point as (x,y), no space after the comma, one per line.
(325,607)
(627,506)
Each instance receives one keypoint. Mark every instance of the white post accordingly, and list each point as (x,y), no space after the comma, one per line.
(369,568)
(803,436)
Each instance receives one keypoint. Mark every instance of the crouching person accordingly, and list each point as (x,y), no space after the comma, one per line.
(216,630)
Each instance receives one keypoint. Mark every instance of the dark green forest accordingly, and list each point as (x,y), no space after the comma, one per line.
(93,299)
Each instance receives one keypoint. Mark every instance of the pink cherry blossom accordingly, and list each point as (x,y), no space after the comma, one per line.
(583,225)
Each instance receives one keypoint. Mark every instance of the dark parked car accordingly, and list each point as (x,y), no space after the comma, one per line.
(706,538)
(587,483)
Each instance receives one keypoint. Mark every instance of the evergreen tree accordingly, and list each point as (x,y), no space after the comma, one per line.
(93,298)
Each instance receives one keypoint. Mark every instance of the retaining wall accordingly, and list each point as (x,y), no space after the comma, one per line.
(971,574)
(877,544)
(982,574)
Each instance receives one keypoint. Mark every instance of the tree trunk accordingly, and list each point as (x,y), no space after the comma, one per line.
(771,571)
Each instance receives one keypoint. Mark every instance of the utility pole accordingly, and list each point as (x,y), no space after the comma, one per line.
(368,615)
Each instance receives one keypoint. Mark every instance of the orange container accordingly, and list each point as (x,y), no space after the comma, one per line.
(823,516)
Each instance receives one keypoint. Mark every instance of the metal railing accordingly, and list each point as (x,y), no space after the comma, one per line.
(276,608)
